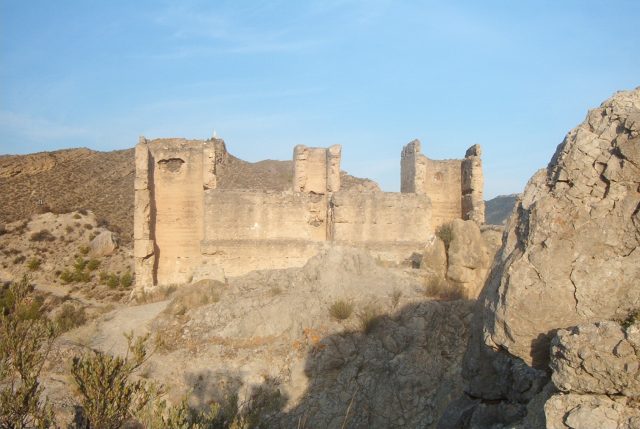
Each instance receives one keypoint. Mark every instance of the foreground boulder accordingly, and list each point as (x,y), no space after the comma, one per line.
(570,257)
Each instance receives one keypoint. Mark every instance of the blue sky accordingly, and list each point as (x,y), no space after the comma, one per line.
(513,76)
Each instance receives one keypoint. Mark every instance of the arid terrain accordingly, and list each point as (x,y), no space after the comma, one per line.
(528,325)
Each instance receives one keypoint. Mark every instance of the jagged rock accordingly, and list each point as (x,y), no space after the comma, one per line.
(600,358)
(590,412)
(570,257)
(572,247)
(104,244)
(468,257)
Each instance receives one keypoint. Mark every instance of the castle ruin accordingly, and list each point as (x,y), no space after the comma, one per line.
(186,228)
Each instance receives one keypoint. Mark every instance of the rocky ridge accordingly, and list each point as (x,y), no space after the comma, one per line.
(570,257)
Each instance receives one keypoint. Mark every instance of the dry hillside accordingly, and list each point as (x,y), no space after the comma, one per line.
(73,179)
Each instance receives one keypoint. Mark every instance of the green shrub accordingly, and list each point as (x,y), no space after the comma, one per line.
(42,235)
(93,264)
(70,317)
(445,233)
(369,318)
(84,250)
(126,280)
(26,338)
(341,309)
(33,264)
(77,216)
(80,264)
(109,395)
(113,281)
(19,259)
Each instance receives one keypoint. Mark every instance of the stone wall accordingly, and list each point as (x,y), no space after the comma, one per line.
(262,215)
(380,217)
(185,227)
(454,185)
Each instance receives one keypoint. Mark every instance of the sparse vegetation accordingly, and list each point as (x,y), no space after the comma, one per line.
(84,250)
(93,264)
(26,337)
(78,274)
(34,264)
(126,280)
(395,297)
(445,233)
(19,259)
(341,309)
(69,229)
(77,216)
(42,235)
(70,317)
(369,318)
(441,288)
(109,395)
(632,317)
(3,229)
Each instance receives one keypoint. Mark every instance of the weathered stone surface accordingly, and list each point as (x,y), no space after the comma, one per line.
(104,244)
(569,257)
(590,412)
(468,257)
(473,185)
(434,257)
(454,185)
(316,169)
(601,358)
(571,254)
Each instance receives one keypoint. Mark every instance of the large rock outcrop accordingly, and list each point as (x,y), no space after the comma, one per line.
(571,253)
(569,257)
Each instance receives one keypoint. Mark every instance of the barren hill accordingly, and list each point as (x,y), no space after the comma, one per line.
(72,179)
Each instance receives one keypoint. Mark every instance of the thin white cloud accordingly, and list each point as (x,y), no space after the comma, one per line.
(197,31)
(36,129)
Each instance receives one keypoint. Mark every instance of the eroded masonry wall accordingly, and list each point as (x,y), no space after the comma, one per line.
(453,185)
(380,217)
(264,215)
(187,228)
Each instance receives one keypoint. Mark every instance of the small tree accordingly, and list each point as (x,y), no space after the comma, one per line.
(26,338)
(110,396)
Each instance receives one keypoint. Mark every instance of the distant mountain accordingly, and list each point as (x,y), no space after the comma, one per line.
(73,179)
(498,209)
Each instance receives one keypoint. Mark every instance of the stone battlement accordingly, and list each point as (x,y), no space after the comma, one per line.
(186,228)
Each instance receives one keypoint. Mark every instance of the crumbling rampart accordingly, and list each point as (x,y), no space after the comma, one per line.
(186,228)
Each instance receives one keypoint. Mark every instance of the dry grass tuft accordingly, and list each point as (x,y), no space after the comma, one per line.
(341,309)
(445,290)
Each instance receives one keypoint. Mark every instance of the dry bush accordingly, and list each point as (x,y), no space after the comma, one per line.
(93,264)
(109,395)
(26,338)
(369,318)
(33,264)
(195,295)
(443,289)
(70,317)
(395,297)
(42,235)
(160,293)
(341,309)
(445,233)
